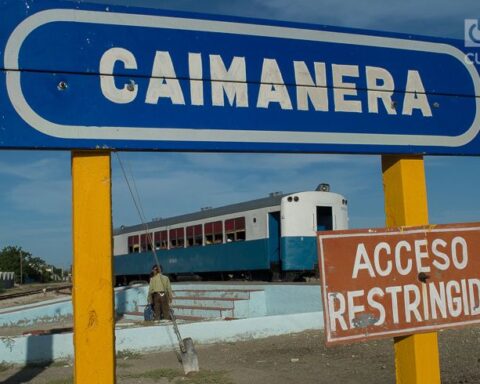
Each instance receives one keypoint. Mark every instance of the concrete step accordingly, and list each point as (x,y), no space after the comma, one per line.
(138,316)
(211,303)
(202,311)
(223,302)
(237,308)
(217,293)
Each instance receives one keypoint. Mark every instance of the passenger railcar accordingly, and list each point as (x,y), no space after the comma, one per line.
(272,237)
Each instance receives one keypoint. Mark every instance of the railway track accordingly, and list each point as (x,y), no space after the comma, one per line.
(51,288)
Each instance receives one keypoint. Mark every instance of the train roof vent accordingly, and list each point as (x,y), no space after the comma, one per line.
(205,209)
(273,194)
(323,187)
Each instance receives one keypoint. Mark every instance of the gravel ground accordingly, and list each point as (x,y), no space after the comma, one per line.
(33,298)
(294,358)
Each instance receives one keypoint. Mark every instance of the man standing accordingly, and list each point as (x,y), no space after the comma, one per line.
(160,294)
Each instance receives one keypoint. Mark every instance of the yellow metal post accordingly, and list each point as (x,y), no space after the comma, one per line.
(93,306)
(416,356)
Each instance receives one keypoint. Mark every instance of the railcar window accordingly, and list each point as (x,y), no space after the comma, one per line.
(161,240)
(133,244)
(208,233)
(190,236)
(157,240)
(146,242)
(198,235)
(181,237)
(164,240)
(194,235)
(235,229)
(214,233)
(177,238)
(173,238)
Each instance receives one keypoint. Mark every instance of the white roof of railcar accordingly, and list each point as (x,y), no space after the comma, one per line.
(269,201)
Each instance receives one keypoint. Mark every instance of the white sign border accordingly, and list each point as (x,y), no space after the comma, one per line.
(26,27)
(403,331)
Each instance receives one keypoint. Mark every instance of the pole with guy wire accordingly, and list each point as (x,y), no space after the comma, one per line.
(21,269)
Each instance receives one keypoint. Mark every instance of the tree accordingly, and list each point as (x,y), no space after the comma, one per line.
(33,268)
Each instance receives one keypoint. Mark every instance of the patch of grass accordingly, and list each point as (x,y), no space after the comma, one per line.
(67,380)
(158,374)
(124,365)
(4,366)
(206,377)
(128,354)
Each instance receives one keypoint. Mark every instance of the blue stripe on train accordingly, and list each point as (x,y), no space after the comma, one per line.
(237,256)
(299,253)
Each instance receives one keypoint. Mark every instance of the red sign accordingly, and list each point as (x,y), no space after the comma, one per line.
(399,281)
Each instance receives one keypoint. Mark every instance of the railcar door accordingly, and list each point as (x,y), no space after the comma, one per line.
(274,232)
(324,219)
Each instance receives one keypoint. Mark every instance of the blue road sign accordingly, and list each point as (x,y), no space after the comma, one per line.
(89,76)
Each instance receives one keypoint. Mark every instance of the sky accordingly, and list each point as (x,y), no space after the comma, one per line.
(35,187)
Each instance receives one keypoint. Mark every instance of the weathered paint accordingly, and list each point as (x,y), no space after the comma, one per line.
(416,356)
(44,312)
(236,256)
(263,300)
(48,348)
(86,51)
(93,308)
(390,282)
(288,308)
(298,253)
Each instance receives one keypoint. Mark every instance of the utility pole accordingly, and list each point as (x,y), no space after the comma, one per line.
(21,269)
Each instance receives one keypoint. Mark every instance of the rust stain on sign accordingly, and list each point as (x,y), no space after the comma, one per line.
(399,281)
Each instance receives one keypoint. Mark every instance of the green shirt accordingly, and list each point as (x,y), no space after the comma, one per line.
(160,283)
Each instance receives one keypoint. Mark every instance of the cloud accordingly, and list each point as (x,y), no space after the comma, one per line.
(36,186)
(39,169)
(192,181)
(43,197)
(427,17)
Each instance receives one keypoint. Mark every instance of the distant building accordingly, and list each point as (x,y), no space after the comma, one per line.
(7,279)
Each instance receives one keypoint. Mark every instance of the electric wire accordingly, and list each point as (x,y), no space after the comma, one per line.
(138,205)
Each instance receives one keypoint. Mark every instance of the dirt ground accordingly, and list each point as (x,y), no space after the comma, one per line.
(288,359)
(33,298)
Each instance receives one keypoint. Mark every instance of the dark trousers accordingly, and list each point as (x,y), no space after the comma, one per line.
(161,306)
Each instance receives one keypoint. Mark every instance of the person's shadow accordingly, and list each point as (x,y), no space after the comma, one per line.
(39,356)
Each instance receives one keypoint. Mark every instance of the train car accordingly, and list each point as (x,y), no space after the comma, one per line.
(268,238)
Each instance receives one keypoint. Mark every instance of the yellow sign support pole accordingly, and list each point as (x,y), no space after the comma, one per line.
(93,305)
(416,356)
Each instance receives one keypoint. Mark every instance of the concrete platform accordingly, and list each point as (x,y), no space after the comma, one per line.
(208,313)
(158,337)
